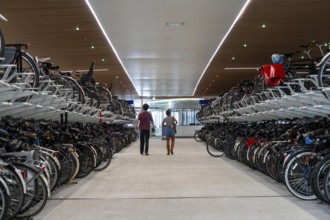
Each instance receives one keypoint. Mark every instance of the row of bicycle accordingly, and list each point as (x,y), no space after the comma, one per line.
(33,87)
(295,152)
(300,98)
(37,157)
(286,89)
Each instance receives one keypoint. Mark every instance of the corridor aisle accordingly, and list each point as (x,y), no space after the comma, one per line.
(188,185)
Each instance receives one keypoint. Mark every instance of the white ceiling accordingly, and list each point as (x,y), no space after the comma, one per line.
(162,60)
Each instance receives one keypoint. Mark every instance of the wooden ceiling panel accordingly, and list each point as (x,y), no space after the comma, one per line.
(49,27)
(289,24)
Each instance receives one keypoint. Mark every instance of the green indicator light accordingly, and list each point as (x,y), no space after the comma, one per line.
(244,45)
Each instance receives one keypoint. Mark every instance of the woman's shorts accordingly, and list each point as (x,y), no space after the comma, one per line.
(169,132)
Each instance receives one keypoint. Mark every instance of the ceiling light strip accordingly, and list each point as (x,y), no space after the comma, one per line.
(113,48)
(223,39)
(241,68)
(94,70)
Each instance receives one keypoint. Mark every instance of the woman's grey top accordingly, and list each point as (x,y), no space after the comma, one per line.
(169,121)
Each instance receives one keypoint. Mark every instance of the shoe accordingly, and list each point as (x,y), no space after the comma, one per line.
(168,153)
(172,152)
(141,153)
(147,154)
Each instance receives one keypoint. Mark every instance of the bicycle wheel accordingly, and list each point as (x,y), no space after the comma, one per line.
(136,135)
(2,44)
(297,174)
(54,171)
(86,160)
(324,73)
(79,94)
(104,157)
(36,191)
(213,147)
(318,177)
(25,64)
(66,167)
(227,145)
(15,185)
(66,90)
(198,136)
(4,199)
(76,163)
(270,165)
(326,183)
(117,143)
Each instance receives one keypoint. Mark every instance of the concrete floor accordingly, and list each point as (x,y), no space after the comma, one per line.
(186,186)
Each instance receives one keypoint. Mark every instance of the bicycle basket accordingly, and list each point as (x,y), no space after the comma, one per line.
(273,74)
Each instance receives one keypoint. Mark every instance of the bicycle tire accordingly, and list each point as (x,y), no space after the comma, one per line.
(2,43)
(16,189)
(32,65)
(324,73)
(297,175)
(197,136)
(79,94)
(104,159)
(270,165)
(54,171)
(86,160)
(136,135)
(326,182)
(66,167)
(4,199)
(76,163)
(118,143)
(227,145)
(37,193)
(317,179)
(213,147)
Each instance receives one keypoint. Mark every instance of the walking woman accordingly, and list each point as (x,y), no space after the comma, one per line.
(169,123)
(144,121)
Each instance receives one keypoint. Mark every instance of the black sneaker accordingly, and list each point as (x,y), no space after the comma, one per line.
(147,154)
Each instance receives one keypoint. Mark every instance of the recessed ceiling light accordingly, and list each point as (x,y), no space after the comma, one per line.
(245,45)
(263,26)
(233,58)
(175,24)
(92,47)
(77,28)
(103,60)
(117,77)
